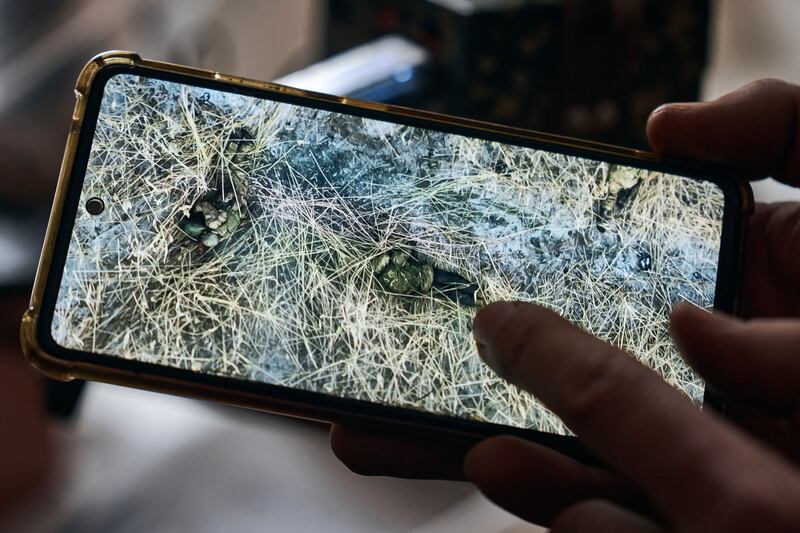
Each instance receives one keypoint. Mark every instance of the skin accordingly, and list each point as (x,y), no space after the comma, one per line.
(672,466)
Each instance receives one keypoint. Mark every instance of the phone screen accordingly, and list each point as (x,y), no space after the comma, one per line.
(236,236)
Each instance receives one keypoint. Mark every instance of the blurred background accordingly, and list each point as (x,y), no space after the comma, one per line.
(112,459)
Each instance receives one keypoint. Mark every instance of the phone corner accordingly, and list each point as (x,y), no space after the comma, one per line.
(35,353)
(100,62)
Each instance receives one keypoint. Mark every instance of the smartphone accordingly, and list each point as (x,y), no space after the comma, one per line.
(323,257)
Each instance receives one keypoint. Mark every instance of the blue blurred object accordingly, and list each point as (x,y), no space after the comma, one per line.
(387,69)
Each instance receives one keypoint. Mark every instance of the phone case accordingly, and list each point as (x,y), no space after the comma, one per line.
(65,369)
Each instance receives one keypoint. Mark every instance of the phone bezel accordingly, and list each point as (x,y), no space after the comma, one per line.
(64,363)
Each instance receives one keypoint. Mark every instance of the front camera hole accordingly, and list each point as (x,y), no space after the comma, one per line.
(95,206)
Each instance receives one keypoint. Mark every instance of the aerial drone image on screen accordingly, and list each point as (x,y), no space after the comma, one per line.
(264,241)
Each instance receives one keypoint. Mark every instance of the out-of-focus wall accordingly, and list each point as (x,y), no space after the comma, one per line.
(272,38)
(752,40)
(44,43)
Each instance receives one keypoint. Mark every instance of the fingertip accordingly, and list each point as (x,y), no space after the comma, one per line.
(399,452)
(480,461)
(685,313)
(490,318)
(474,460)
(339,439)
(506,331)
(684,321)
(665,127)
(657,124)
(346,448)
(698,332)
(488,323)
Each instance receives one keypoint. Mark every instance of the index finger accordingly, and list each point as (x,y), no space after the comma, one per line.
(619,408)
(753,130)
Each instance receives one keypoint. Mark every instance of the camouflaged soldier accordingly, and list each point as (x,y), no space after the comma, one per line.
(620,188)
(400,273)
(215,216)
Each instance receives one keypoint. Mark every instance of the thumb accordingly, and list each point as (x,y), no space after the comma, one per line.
(757,360)
(753,130)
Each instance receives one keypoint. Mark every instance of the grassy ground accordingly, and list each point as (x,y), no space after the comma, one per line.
(292,296)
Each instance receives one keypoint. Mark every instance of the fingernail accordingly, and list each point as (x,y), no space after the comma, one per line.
(676,107)
(660,109)
(485,326)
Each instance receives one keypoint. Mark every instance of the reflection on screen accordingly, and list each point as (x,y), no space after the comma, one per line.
(270,242)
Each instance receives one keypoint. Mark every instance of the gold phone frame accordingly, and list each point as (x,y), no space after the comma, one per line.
(66,369)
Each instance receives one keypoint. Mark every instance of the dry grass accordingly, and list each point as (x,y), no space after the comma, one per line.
(291,298)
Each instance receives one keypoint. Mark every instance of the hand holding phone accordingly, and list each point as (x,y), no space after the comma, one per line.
(671,463)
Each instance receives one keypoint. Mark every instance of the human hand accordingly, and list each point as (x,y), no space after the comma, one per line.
(674,466)
(751,130)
